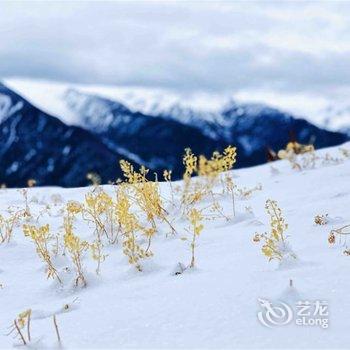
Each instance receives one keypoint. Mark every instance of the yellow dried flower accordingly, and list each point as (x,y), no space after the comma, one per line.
(275,241)
(130,174)
(190,162)
(195,218)
(74,207)
(130,225)
(75,247)
(23,317)
(41,237)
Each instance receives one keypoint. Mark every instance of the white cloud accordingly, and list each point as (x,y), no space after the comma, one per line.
(221,46)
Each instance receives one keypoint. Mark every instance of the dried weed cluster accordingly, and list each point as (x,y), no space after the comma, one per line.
(133,212)
(136,212)
(275,245)
(130,217)
(303,157)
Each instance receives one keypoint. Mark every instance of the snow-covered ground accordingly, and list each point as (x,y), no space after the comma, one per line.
(215,305)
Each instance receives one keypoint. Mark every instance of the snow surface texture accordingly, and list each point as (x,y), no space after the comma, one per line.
(214,305)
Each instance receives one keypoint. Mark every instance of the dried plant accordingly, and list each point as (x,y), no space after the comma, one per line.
(208,171)
(96,249)
(130,226)
(218,163)
(73,208)
(41,237)
(246,193)
(195,218)
(7,224)
(293,150)
(94,178)
(56,330)
(321,219)
(98,209)
(167,177)
(217,210)
(21,327)
(275,245)
(341,231)
(344,152)
(76,248)
(346,252)
(145,194)
(328,159)
(22,320)
(229,187)
(190,162)
(304,156)
(26,214)
(132,176)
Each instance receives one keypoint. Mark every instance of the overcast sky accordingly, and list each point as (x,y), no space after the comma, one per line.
(219,46)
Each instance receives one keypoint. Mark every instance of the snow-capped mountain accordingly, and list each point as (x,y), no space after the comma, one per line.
(36,145)
(158,138)
(7,107)
(158,142)
(251,127)
(336,117)
(49,96)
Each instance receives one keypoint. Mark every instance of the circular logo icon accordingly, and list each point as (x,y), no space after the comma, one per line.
(274,315)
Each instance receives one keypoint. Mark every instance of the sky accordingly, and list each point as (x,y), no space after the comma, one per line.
(299,48)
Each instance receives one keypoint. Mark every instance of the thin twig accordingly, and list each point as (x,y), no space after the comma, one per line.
(56,328)
(19,332)
(28,326)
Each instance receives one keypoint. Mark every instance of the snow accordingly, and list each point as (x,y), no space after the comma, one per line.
(12,134)
(6,107)
(57,98)
(330,110)
(215,305)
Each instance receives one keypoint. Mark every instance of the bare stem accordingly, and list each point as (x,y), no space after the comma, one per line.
(28,327)
(19,332)
(192,250)
(56,329)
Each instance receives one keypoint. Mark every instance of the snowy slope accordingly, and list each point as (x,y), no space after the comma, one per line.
(212,306)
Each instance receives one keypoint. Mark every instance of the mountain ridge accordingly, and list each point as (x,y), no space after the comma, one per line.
(36,145)
(110,130)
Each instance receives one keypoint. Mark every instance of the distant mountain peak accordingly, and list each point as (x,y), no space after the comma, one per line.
(36,145)
(94,130)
